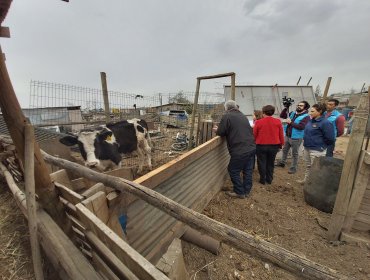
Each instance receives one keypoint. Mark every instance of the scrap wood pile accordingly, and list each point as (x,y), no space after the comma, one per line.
(9,158)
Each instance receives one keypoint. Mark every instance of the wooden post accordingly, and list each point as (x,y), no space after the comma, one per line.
(326,89)
(299,80)
(103,77)
(31,200)
(362,181)
(16,122)
(233,86)
(309,81)
(195,106)
(349,168)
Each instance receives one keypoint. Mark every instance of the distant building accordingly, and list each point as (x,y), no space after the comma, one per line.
(56,116)
(254,97)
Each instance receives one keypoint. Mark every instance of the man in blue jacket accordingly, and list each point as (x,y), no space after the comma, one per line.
(337,120)
(296,122)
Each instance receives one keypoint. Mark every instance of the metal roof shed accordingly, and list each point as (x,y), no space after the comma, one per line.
(250,98)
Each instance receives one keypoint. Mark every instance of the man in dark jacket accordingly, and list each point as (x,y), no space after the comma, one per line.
(240,143)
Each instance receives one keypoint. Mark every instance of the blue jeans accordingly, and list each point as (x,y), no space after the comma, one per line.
(244,163)
(330,150)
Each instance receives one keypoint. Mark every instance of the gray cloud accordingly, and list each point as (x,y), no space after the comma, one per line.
(162,46)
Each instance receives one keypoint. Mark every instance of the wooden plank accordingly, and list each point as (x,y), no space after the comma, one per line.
(349,168)
(128,256)
(97,204)
(102,268)
(166,171)
(114,264)
(362,180)
(61,251)
(68,194)
(117,208)
(364,208)
(83,183)
(361,226)
(363,217)
(62,178)
(98,187)
(367,193)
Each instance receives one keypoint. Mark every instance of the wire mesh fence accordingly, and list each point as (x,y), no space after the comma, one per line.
(69,109)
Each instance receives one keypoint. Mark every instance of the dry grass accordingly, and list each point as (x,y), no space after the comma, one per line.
(15,252)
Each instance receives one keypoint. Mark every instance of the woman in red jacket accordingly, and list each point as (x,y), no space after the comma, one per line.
(269,137)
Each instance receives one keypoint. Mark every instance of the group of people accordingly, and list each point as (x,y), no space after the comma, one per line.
(316,126)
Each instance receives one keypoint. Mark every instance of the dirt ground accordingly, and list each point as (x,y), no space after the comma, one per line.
(278,214)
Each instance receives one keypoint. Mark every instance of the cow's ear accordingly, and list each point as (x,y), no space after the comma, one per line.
(105,135)
(69,140)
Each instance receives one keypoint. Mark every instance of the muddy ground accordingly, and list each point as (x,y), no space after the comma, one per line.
(279,214)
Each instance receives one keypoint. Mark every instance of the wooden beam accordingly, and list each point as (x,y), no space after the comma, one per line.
(103,78)
(350,166)
(97,204)
(127,255)
(109,258)
(61,177)
(216,76)
(16,121)
(193,113)
(241,240)
(68,194)
(31,201)
(326,89)
(362,181)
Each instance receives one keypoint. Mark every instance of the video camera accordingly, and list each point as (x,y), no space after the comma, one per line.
(287,101)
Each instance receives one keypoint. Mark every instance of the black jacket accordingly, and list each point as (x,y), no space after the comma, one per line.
(238,132)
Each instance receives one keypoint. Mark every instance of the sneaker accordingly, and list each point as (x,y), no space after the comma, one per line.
(280,164)
(261,182)
(292,170)
(235,195)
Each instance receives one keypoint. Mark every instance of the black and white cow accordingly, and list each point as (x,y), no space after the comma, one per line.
(102,147)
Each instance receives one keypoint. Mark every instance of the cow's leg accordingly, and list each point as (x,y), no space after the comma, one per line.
(141,156)
(148,153)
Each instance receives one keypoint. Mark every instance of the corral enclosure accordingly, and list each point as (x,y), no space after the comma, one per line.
(68,109)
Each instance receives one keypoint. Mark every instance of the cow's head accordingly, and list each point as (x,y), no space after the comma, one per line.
(98,147)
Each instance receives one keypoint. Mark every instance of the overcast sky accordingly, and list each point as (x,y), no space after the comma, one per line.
(147,46)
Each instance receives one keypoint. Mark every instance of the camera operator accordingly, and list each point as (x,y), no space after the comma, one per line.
(294,131)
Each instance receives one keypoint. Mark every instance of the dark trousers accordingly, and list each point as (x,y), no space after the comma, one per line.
(266,155)
(241,164)
(330,150)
